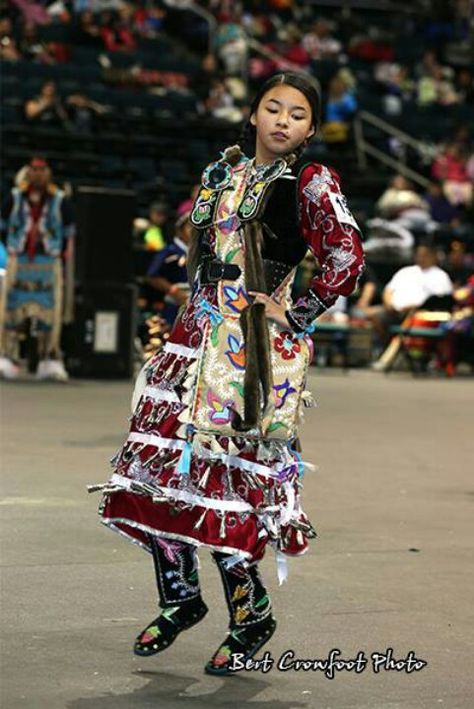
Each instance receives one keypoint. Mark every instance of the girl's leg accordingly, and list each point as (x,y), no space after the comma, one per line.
(179,595)
(251,621)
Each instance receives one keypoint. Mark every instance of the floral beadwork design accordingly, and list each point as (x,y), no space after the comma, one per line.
(236,352)
(236,299)
(221,411)
(282,392)
(287,345)
(150,634)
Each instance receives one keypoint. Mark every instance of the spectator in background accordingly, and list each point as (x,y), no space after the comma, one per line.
(292,48)
(83,112)
(397,84)
(167,272)
(231,48)
(423,284)
(459,263)
(87,32)
(115,31)
(39,228)
(399,192)
(436,87)
(450,166)
(319,43)
(155,237)
(441,209)
(47,109)
(32,48)
(464,86)
(220,103)
(341,107)
(148,21)
(8,47)
(361,300)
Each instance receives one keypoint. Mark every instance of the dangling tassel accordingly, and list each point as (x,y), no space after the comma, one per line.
(282,566)
(234,560)
(184,466)
(203,481)
(297,460)
(200,520)
(185,461)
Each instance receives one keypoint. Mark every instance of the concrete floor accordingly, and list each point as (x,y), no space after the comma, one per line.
(392,500)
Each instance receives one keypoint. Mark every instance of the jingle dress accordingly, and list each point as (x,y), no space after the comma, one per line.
(183,473)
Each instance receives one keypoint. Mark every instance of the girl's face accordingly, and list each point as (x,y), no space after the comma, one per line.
(283,121)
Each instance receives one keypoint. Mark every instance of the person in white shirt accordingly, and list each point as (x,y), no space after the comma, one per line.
(423,284)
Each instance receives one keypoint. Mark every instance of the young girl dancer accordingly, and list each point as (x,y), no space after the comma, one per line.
(211,458)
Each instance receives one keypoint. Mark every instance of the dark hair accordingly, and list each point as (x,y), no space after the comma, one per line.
(429,243)
(302,82)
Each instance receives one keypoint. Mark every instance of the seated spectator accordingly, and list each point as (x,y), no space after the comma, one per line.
(441,209)
(83,112)
(457,346)
(59,11)
(340,109)
(423,284)
(465,86)
(32,48)
(292,47)
(459,264)
(116,33)
(362,299)
(87,32)
(400,194)
(148,21)
(397,84)
(47,108)
(155,237)
(231,48)
(436,87)
(167,272)
(319,43)
(8,46)
(220,102)
(450,166)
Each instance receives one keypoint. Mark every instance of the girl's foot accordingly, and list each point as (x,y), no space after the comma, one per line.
(165,629)
(244,641)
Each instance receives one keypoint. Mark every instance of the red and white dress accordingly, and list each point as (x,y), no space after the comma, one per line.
(233,493)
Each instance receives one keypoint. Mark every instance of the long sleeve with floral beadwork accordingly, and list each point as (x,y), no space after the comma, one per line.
(332,234)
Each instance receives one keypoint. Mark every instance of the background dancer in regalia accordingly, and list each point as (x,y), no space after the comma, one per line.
(38,221)
(211,458)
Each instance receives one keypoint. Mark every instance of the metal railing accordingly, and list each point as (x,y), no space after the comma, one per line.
(399,164)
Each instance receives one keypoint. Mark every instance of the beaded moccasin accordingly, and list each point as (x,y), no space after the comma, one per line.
(164,630)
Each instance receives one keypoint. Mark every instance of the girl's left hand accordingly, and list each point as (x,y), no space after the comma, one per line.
(273,310)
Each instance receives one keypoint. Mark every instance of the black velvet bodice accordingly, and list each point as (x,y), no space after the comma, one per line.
(283,241)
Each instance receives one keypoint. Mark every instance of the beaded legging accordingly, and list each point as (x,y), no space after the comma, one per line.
(177,579)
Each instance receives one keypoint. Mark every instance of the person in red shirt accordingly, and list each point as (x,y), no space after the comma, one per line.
(450,166)
(116,33)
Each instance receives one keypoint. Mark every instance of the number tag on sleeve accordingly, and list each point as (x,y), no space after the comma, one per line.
(342,211)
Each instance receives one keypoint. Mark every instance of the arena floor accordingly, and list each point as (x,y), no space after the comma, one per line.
(392,500)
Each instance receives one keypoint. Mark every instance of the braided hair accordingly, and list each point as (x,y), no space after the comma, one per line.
(305,83)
